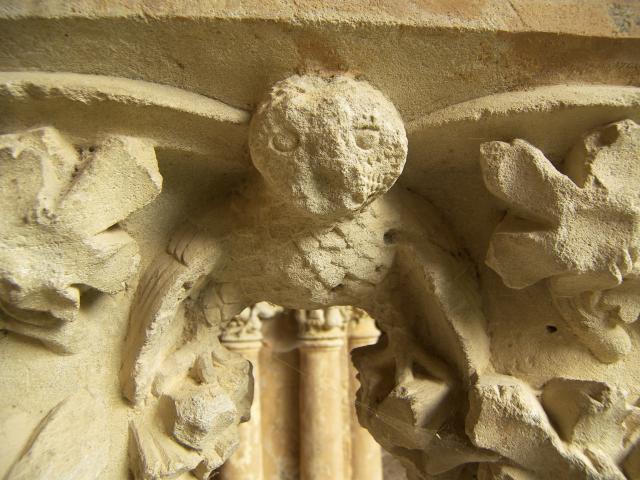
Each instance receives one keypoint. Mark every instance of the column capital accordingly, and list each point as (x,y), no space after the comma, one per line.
(322,327)
(246,327)
(360,325)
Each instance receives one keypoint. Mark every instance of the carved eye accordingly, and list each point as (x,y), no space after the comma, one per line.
(285,141)
(367,138)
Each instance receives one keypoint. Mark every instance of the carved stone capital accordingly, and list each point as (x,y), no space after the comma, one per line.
(321,326)
(246,327)
(466,172)
(361,327)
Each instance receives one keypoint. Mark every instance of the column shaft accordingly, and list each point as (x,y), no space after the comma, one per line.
(321,421)
(246,462)
(366,455)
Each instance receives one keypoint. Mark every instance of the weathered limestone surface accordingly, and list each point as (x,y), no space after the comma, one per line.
(464,171)
(59,227)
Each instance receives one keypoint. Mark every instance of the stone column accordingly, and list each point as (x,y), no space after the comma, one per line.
(321,392)
(243,334)
(366,455)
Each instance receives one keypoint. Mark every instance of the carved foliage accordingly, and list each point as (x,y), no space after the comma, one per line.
(201,393)
(577,428)
(58,228)
(579,231)
(247,325)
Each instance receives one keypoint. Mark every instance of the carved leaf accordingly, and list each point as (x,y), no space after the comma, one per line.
(58,229)
(506,417)
(581,232)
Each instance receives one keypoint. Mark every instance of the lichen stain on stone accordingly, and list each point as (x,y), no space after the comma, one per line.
(623,17)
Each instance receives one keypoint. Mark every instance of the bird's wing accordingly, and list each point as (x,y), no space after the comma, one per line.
(166,283)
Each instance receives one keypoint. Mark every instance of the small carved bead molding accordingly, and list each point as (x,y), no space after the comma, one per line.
(59,234)
(464,173)
(578,230)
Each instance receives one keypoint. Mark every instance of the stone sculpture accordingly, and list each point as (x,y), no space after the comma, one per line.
(579,233)
(326,149)
(324,323)
(556,230)
(59,227)
(65,199)
(247,325)
(501,267)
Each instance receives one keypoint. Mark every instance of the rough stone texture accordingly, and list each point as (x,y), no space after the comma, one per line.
(581,231)
(329,146)
(519,124)
(59,227)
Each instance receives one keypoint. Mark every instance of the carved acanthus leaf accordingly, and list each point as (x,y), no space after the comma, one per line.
(359,323)
(208,391)
(576,429)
